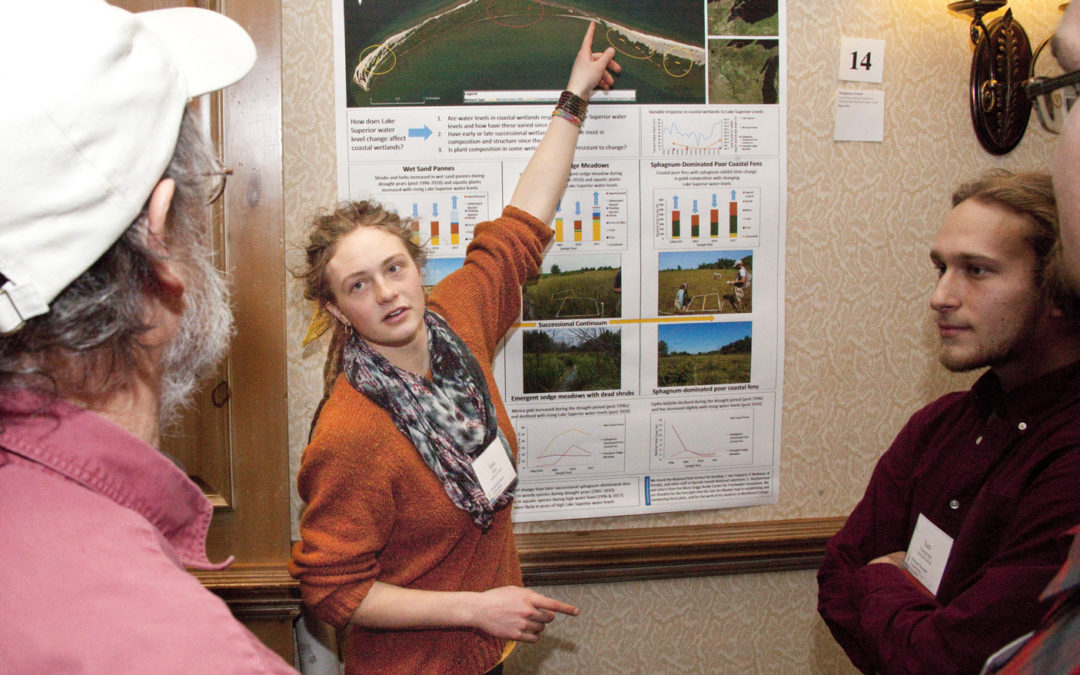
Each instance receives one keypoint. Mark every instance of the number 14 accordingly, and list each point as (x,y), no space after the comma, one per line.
(856,63)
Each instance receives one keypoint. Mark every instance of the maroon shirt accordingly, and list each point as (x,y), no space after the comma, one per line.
(1000,474)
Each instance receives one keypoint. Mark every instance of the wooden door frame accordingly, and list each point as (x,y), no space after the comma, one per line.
(250,471)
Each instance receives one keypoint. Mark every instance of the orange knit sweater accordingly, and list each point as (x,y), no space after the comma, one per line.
(376,511)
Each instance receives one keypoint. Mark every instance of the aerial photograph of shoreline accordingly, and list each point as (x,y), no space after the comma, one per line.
(431,52)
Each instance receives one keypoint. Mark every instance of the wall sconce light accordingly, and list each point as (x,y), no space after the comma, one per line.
(1002,61)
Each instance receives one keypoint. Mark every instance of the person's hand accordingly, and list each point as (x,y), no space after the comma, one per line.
(896,559)
(591,69)
(516,613)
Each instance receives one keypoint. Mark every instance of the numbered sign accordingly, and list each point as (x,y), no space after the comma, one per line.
(861,60)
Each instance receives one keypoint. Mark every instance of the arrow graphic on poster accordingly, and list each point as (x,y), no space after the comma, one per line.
(423,132)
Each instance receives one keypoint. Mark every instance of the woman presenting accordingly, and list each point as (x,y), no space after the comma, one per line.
(406,537)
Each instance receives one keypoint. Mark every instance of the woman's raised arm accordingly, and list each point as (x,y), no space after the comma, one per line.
(542,182)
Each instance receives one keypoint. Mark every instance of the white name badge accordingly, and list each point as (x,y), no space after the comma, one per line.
(928,553)
(494,470)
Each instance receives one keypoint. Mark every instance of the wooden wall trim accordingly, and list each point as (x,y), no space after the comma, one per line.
(587,557)
(255,592)
(252,576)
(671,552)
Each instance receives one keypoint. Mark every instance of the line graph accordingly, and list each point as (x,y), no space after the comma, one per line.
(565,448)
(674,139)
(551,447)
(684,449)
(710,439)
(671,138)
(691,133)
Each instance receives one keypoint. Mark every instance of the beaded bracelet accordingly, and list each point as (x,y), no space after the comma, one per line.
(571,107)
(573,119)
(572,102)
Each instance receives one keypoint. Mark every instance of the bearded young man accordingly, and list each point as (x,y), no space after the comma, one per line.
(943,559)
(110,309)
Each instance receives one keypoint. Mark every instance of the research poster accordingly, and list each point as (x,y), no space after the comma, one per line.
(645,375)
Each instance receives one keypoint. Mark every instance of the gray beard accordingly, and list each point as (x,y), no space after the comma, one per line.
(202,338)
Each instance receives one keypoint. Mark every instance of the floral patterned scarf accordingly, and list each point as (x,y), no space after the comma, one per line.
(450,420)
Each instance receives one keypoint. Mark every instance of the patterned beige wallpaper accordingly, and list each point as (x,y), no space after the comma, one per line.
(859,344)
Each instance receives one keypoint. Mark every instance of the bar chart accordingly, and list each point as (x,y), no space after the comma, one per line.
(705,217)
(591,220)
(445,222)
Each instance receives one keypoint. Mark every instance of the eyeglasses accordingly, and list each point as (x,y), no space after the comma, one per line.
(1053,98)
(219,175)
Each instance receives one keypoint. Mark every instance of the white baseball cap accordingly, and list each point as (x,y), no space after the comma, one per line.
(93,98)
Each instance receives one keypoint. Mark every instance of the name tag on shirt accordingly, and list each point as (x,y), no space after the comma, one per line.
(494,470)
(928,553)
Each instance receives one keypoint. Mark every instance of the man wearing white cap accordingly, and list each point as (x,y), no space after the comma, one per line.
(110,309)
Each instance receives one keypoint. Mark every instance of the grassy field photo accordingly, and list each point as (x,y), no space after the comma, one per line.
(572,359)
(707,293)
(743,17)
(580,286)
(703,353)
(743,71)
